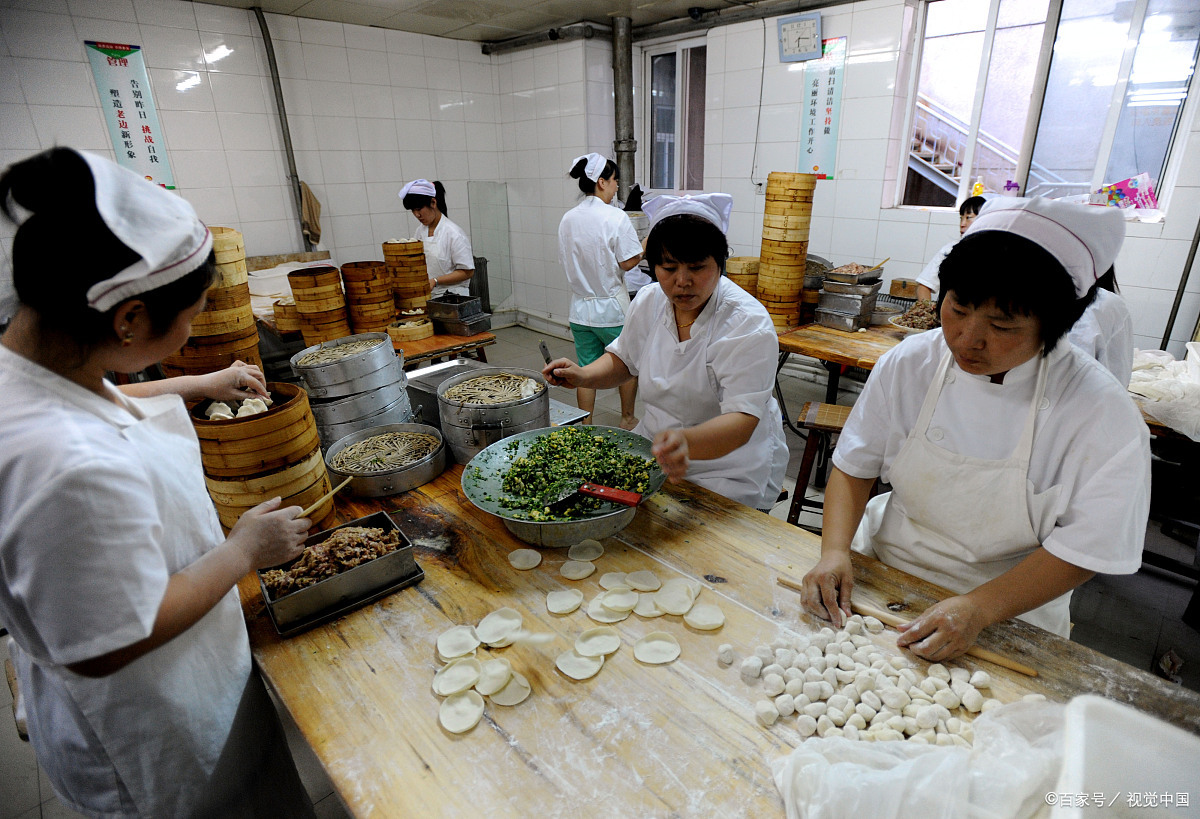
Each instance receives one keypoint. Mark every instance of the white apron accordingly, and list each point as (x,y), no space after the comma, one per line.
(680,390)
(155,730)
(956,520)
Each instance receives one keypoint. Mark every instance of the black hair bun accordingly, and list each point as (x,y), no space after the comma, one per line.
(578,170)
(57,180)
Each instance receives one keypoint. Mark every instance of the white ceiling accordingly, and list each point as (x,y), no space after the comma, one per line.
(483,21)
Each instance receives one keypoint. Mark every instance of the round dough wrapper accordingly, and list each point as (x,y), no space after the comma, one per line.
(494,675)
(564,601)
(705,616)
(643,581)
(656,648)
(514,692)
(646,608)
(497,629)
(610,579)
(675,596)
(457,642)
(596,642)
(586,550)
(459,675)
(577,569)
(524,559)
(619,598)
(600,614)
(578,667)
(460,712)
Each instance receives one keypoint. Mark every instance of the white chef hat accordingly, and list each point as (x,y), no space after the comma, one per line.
(1085,239)
(421,187)
(713,207)
(160,226)
(594,167)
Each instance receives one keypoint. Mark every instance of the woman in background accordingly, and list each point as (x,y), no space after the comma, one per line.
(927,281)
(447,248)
(1105,330)
(596,244)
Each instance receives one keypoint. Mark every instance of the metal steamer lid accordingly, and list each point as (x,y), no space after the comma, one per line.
(330,373)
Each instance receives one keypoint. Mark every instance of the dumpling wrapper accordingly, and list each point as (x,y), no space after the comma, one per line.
(514,692)
(493,676)
(578,667)
(705,616)
(577,569)
(564,601)
(461,712)
(619,598)
(600,614)
(459,675)
(596,642)
(646,608)
(457,642)
(656,648)
(644,581)
(497,629)
(524,559)
(220,416)
(675,596)
(218,408)
(586,550)
(610,579)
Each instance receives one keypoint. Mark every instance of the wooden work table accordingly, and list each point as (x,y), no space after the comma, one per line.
(635,740)
(438,346)
(836,349)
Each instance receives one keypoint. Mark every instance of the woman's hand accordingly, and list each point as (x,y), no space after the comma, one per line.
(563,372)
(236,382)
(270,535)
(944,631)
(670,449)
(826,589)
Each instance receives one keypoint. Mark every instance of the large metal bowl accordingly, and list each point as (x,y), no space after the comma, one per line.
(484,474)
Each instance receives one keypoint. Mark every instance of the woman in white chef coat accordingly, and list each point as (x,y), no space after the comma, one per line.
(1105,330)
(927,280)
(596,244)
(704,353)
(116,582)
(1019,467)
(447,249)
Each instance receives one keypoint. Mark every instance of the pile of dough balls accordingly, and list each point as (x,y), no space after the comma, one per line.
(465,680)
(221,411)
(842,684)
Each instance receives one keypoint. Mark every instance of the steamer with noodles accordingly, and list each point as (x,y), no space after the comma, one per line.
(469,424)
(398,412)
(350,365)
(390,481)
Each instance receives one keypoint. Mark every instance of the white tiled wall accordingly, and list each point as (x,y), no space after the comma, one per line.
(370,108)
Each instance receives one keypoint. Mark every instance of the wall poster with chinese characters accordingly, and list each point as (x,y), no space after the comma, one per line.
(822,109)
(128,110)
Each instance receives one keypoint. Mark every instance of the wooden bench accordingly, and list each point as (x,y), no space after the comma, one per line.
(822,421)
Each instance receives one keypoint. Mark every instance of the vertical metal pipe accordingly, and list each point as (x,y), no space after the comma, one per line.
(293,177)
(624,145)
(1179,291)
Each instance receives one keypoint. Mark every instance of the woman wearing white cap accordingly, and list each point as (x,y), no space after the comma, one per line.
(1019,467)
(116,582)
(704,352)
(447,249)
(596,244)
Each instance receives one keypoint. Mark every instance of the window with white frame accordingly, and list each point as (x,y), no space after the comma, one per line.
(1047,97)
(674,118)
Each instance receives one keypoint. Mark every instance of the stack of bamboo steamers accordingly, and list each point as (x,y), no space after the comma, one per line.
(369,299)
(405,263)
(224,331)
(321,304)
(784,255)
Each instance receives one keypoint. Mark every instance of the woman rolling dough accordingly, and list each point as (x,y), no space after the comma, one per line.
(704,353)
(1019,467)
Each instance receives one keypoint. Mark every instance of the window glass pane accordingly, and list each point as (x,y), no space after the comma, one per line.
(662,121)
(693,160)
(1162,67)
(945,95)
(1006,100)
(1083,71)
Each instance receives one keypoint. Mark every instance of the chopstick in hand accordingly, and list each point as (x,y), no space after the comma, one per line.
(325,497)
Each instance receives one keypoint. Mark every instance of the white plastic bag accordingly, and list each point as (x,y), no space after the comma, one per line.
(1015,761)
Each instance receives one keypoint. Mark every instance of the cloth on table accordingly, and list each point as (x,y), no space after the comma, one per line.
(1169,390)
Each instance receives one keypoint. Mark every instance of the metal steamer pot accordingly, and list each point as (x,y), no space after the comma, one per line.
(397,412)
(483,478)
(469,428)
(362,372)
(395,481)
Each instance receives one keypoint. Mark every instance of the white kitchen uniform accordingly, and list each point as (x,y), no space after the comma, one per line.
(99,504)
(447,250)
(930,276)
(953,447)
(1105,332)
(728,365)
(593,239)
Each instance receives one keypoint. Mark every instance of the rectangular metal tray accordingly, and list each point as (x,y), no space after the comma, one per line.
(846,303)
(865,277)
(842,321)
(466,327)
(831,286)
(453,306)
(338,595)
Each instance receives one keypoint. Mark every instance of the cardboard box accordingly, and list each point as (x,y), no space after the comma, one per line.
(904,288)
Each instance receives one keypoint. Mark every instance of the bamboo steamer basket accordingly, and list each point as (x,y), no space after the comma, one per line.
(790,179)
(364,271)
(258,444)
(228,246)
(410,330)
(742,266)
(412,304)
(232,274)
(307,278)
(287,317)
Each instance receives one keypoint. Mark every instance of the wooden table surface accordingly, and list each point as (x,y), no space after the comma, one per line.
(437,346)
(635,740)
(839,347)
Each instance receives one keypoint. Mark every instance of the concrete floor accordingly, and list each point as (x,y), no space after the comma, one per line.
(1133,618)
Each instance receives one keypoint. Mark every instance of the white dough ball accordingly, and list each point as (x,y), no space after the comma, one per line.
(725,654)
(785,705)
(766,713)
(806,725)
(773,684)
(981,679)
(750,669)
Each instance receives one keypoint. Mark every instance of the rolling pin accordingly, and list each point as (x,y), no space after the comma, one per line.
(888,618)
